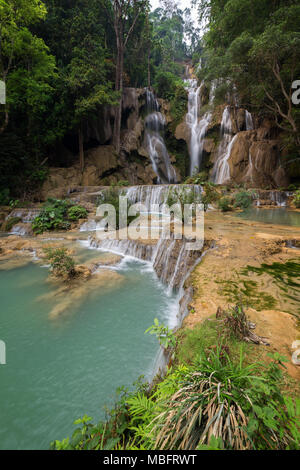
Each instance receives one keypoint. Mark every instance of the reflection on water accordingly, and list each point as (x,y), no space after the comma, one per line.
(280,216)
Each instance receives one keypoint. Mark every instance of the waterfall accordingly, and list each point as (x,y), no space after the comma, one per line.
(221,170)
(198,127)
(169,257)
(154,125)
(26,215)
(158,194)
(249,121)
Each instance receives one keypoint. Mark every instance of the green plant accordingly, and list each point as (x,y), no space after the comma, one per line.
(123,183)
(57,215)
(296,199)
(211,194)
(197,178)
(243,199)
(77,212)
(224,204)
(165,336)
(61,263)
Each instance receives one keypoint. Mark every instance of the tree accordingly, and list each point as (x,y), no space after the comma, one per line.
(125,17)
(15,17)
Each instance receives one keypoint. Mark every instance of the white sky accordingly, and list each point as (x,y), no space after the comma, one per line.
(182,4)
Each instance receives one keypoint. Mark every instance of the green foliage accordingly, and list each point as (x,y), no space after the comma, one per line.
(77,212)
(57,215)
(211,194)
(61,263)
(167,85)
(211,400)
(224,204)
(165,336)
(179,103)
(296,199)
(243,199)
(253,45)
(197,178)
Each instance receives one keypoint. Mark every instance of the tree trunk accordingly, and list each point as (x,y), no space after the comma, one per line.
(119,87)
(149,73)
(81,151)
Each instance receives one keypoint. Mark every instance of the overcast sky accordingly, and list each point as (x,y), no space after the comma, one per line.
(181,3)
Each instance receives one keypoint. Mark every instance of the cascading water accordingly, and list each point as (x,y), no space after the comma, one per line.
(198,127)
(154,125)
(158,194)
(221,171)
(249,121)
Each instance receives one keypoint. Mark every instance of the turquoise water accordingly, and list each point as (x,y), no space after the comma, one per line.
(280,216)
(59,370)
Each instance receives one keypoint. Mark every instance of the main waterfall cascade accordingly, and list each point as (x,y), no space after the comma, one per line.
(221,171)
(198,127)
(154,126)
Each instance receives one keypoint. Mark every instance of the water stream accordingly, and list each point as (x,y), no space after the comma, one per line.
(154,126)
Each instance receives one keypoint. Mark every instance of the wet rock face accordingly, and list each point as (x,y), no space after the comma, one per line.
(256,162)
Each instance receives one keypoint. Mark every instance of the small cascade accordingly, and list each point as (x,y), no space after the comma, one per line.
(154,126)
(158,194)
(26,215)
(279,198)
(132,248)
(272,198)
(221,170)
(249,121)
(169,257)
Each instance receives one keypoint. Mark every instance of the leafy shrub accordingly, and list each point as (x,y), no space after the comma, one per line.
(243,199)
(224,204)
(179,103)
(76,213)
(166,83)
(61,263)
(9,223)
(211,194)
(216,402)
(165,336)
(296,199)
(198,178)
(56,215)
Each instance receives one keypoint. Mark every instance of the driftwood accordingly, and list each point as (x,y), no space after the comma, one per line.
(237,322)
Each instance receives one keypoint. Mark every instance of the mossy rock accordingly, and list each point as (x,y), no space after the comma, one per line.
(9,223)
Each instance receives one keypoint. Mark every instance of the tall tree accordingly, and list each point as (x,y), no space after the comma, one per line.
(125,17)
(15,17)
